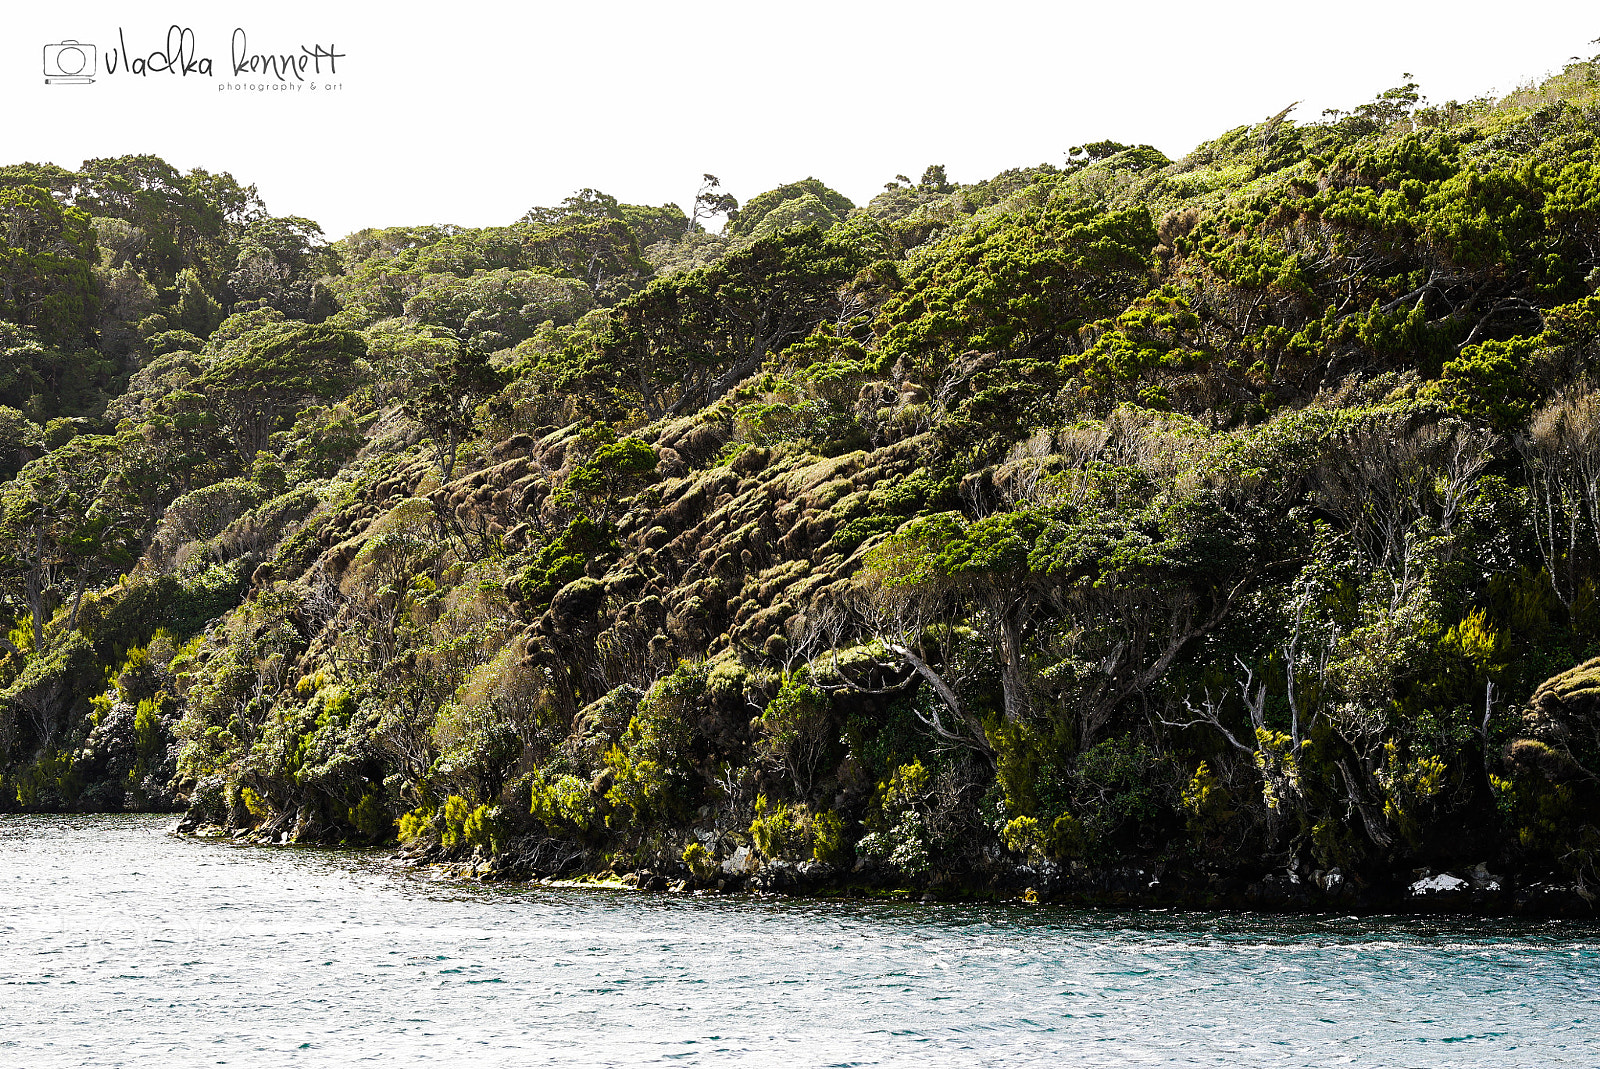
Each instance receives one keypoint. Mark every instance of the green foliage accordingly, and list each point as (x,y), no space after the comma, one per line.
(797,735)
(1207,804)
(903,847)
(803,203)
(49,782)
(700,861)
(414,824)
(1489,382)
(371,818)
(275,371)
(463,826)
(45,264)
(564,560)
(688,338)
(611,468)
(1224,511)
(564,802)
(828,839)
(198,313)
(774,830)
(1023,284)
(42,377)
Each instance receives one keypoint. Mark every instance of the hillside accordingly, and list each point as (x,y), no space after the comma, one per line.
(1235,518)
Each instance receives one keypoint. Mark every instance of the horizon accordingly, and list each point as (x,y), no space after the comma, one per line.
(528,121)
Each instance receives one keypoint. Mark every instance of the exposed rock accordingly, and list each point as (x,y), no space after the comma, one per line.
(1436,886)
(740,862)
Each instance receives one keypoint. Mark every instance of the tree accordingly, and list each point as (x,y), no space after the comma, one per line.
(760,206)
(611,467)
(933,177)
(1023,283)
(20,440)
(45,380)
(687,339)
(266,376)
(186,218)
(907,601)
(495,310)
(603,253)
(279,261)
(445,399)
(708,203)
(46,256)
(198,312)
(53,540)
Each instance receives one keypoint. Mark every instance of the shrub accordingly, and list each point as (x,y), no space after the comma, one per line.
(903,847)
(773,829)
(415,823)
(1206,803)
(1025,836)
(562,802)
(828,838)
(700,861)
(254,804)
(371,817)
(464,826)
(796,729)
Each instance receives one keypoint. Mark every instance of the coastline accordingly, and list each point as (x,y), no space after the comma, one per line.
(1155,885)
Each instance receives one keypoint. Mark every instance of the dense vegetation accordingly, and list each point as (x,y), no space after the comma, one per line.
(1240,513)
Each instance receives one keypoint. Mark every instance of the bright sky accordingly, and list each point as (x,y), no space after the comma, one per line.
(470,112)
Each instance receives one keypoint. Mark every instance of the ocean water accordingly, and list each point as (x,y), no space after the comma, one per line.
(123,946)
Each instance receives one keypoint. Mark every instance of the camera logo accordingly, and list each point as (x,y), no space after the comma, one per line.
(69,63)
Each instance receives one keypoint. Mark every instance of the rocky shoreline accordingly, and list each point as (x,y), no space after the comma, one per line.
(1475,890)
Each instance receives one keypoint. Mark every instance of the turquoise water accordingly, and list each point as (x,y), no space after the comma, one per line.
(120,945)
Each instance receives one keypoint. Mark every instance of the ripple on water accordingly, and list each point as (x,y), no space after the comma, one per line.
(120,945)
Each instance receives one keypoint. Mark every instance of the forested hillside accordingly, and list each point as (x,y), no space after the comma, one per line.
(1235,516)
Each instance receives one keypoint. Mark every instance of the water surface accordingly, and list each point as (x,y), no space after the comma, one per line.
(120,945)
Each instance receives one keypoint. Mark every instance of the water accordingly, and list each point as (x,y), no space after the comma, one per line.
(122,946)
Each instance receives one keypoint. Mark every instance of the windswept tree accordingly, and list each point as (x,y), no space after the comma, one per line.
(47,252)
(445,397)
(55,539)
(686,340)
(710,202)
(269,375)
(1022,285)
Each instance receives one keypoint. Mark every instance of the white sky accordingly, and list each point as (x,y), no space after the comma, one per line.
(470,112)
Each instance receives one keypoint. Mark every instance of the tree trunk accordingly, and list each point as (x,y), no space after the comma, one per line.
(1013,680)
(976,738)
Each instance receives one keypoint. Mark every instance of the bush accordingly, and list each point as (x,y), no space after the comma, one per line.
(797,732)
(413,824)
(774,829)
(463,826)
(828,839)
(563,802)
(1207,804)
(700,861)
(371,817)
(1025,836)
(903,847)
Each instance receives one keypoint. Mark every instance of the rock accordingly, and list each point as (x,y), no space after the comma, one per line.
(1484,880)
(741,861)
(814,870)
(1444,884)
